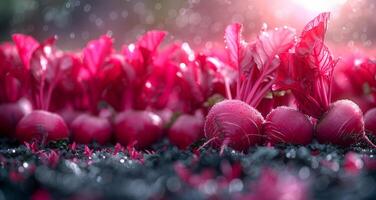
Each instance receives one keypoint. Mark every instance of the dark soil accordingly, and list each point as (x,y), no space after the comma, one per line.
(316,171)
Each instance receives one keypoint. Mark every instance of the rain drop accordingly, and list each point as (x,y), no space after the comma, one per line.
(87,8)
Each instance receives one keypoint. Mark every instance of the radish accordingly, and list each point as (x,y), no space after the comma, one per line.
(360,88)
(308,73)
(140,57)
(43,126)
(287,125)
(370,121)
(139,128)
(11,114)
(42,62)
(136,127)
(186,130)
(342,124)
(97,65)
(235,122)
(87,128)
(12,76)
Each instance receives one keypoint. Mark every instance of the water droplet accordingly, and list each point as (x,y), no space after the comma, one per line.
(183,66)
(25,165)
(148,84)
(45,28)
(87,8)
(210,187)
(110,33)
(194,18)
(173,184)
(264,27)
(139,8)
(158,6)
(113,15)
(304,172)
(172,13)
(85,35)
(236,185)
(124,14)
(149,19)
(99,22)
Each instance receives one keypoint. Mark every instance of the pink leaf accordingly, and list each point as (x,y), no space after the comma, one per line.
(314,31)
(95,53)
(353,163)
(118,148)
(321,60)
(222,70)
(237,49)
(133,56)
(73,146)
(52,158)
(33,147)
(44,62)
(272,43)
(26,46)
(88,152)
(151,40)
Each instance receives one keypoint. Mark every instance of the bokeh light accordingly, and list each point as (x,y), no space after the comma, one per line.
(199,22)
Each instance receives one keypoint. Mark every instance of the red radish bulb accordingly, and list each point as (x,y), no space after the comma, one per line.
(186,130)
(235,124)
(141,128)
(88,128)
(102,70)
(43,63)
(287,125)
(342,124)
(11,114)
(42,126)
(370,121)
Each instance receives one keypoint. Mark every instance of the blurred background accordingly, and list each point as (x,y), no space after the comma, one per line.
(200,22)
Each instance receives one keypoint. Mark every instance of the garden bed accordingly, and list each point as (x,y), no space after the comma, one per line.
(94,172)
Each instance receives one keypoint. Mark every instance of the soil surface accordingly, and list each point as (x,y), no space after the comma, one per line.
(64,171)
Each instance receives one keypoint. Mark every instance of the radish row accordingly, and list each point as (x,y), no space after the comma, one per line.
(279,88)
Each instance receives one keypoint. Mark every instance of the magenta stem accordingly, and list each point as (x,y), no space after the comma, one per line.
(325,93)
(261,94)
(228,90)
(41,96)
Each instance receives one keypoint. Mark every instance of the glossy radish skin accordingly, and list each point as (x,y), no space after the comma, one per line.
(370,121)
(342,124)
(235,124)
(186,130)
(166,116)
(89,128)
(287,125)
(141,128)
(42,126)
(11,114)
